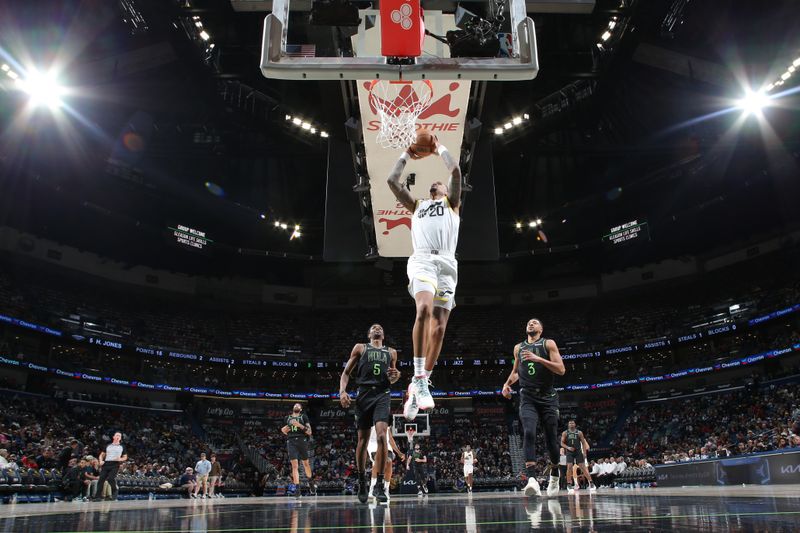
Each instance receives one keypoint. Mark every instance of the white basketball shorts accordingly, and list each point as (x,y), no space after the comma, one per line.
(437,274)
(467,470)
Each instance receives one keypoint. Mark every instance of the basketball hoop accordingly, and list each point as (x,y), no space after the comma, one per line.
(399,103)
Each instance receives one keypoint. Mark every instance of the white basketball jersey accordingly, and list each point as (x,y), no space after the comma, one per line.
(468,458)
(434,226)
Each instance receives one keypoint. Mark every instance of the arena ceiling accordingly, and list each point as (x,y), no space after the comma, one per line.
(160,129)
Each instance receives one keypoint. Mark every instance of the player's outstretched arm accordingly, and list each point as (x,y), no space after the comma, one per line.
(398,188)
(400,455)
(584,442)
(514,376)
(344,379)
(454,186)
(393,374)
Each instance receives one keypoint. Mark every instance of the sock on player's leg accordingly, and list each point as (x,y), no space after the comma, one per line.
(419,366)
(372,484)
(386,486)
(428,373)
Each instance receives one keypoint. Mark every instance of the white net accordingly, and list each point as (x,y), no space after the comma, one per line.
(399,104)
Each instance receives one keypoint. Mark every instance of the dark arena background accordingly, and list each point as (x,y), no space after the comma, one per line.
(196,231)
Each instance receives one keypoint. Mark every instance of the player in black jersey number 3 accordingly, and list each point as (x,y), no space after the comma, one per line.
(535,362)
(376,369)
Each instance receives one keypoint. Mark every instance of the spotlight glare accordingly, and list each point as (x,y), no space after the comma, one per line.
(305,126)
(262,216)
(288,117)
(313,130)
(42,88)
(277,224)
(791,69)
(612,24)
(517,121)
(323,134)
(753,102)
(526,116)
(498,131)
(786,75)
(518,225)
(532,224)
(796,62)
(284,225)
(5,68)
(204,35)
(296,121)
(606,35)
(297,227)
(507,125)
(538,221)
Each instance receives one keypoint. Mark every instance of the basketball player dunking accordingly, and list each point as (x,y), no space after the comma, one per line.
(573,441)
(538,401)
(376,369)
(468,460)
(432,269)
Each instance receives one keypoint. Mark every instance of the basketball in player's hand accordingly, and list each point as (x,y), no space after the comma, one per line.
(424,146)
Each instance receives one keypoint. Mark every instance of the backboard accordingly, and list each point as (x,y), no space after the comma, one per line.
(421,425)
(280,59)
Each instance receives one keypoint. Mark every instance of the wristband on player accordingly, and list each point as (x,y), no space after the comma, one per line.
(405,156)
(446,157)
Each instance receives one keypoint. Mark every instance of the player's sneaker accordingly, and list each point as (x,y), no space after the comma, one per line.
(363,487)
(379,494)
(532,488)
(469,489)
(425,488)
(422,393)
(552,486)
(592,488)
(410,407)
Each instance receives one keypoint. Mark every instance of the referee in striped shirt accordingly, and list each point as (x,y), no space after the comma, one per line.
(110,461)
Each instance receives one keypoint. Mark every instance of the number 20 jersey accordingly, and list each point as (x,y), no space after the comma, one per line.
(434,226)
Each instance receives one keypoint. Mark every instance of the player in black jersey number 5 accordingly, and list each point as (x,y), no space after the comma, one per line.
(376,369)
(536,360)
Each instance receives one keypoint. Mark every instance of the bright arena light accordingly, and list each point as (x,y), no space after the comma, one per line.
(43,89)
(753,102)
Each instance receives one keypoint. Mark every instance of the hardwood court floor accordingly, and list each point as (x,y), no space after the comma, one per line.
(683,509)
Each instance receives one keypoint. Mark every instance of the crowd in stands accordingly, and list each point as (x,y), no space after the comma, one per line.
(744,421)
(163,320)
(66,438)
(333,452)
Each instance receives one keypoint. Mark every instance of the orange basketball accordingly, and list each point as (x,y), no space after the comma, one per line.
(425,144)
